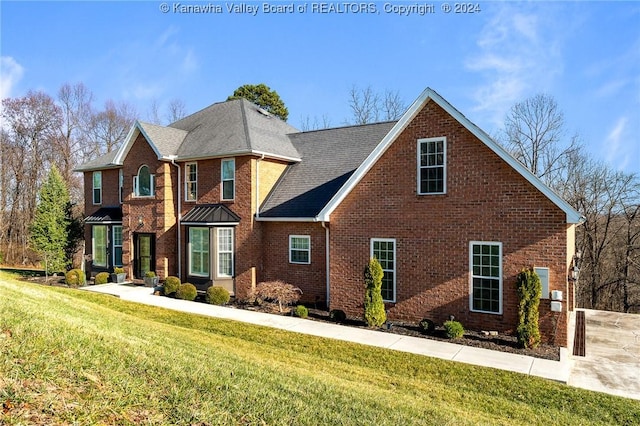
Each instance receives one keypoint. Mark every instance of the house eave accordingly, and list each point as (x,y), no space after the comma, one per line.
(572,216)
(233,154)
(209,223)
(288,219)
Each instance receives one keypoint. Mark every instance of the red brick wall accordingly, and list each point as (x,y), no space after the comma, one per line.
(311,279)
(486,200)
(159,215)
(110,198)
(247,232)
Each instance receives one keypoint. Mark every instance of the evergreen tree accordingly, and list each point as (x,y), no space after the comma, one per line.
(264,97)
(49,229)
(374,313)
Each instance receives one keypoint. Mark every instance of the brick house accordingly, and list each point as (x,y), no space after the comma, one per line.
(233,196)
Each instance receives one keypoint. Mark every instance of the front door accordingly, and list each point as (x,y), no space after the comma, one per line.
(145,254)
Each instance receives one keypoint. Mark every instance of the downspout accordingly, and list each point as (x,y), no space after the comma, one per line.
(258,186)
(179,215)
(328,269)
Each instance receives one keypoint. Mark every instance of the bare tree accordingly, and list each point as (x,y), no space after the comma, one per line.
(31,125)
(307,124)
(176,110)
(71,143)
(110,126)
(535,134)
(368,106)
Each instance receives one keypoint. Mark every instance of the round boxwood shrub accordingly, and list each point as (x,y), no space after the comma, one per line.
(217,295)
(187,291)
(102,278)
(75,278)
(301,311)
(427,326)
(337,315)
(454,329)
(171,285)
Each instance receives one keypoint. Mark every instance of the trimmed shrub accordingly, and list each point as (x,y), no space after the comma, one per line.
(374,313)
(337,315)
(150,274)
(187,291)
(427,326)
(217,295)
(529,292)
(171,285)
(102,278)
(118,270)
(75,278)
(301,311)
(454,329)
(277,292)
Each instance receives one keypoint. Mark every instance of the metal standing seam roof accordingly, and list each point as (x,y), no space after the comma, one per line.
(210,214)
(105,215)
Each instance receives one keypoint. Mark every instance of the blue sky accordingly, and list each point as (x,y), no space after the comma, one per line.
(585,54)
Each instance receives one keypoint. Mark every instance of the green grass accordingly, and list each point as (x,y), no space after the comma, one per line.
(74,357)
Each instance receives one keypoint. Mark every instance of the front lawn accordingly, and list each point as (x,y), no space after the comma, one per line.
(69,356)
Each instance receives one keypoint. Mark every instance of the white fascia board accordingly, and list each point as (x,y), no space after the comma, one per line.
(128,142)
(136,129)
(379,150)
(287,219)
(219,224)
(149,141)
(572,215)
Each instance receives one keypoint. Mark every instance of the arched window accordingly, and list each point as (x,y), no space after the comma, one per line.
(143,183)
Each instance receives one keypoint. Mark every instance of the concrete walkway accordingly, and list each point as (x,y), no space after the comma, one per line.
(561,371)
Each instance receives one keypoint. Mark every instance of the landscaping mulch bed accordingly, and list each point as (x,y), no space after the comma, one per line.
(500,342)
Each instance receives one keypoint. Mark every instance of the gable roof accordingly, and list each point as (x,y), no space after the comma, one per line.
(225,129)
(329,157)
(573,216)
(103,162)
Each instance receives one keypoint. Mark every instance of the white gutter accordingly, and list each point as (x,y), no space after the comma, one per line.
(172,158)
(258,186)
(327,266)
(288,219)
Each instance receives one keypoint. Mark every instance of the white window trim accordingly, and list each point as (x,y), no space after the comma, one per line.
(93,191)
(120,185)
(444,171)
(190,253)
(395,263)
(500,279)
(308,238)
(544,286)
(218,252)
(93,246)
(152,178)
(113,248)
(223,180)
(187,182)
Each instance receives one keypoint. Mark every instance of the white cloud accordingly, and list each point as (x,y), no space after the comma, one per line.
(618,149)
(517,56)
(10,74)
(152,69)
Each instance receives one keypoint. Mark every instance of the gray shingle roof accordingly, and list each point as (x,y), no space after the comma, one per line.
(329,157)
(166,139)
(103,162)
(232,128)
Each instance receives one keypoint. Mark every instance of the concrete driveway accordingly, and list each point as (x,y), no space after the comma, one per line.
(612,358)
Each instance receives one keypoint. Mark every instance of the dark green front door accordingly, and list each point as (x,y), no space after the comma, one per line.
(144,246)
